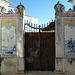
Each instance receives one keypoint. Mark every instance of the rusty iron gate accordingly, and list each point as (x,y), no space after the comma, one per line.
(40,51)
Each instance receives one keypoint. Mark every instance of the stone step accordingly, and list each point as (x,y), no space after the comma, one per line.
(41,73)
(34,73)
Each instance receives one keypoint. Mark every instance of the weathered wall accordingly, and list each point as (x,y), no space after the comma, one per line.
(65,40)
(69,68)
(58,39)
(69,36)
(11,41)
(8,42)
(20,45)
(9,65)
(8,25)
(69,44)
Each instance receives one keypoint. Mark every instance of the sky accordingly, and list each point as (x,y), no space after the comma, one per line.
(43,10)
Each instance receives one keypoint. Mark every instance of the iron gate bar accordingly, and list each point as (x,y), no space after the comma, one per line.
(32,27)
(51,26)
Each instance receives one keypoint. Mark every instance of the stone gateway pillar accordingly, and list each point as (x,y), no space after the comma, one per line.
(59,38)
(11,41)
(20,10)
(20,39)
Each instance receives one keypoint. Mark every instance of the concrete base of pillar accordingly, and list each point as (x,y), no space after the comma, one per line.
(20,65)
(9,65)
(12,65)
(59,72)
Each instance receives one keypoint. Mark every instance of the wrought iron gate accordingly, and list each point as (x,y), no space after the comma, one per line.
(40,51)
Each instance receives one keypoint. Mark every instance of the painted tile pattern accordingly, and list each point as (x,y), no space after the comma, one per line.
(9,40)
(0,38)
(69,25)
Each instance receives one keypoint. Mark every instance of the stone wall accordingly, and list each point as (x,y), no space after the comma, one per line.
(8,24)
(11,41)
(9,65)
(8,36)
(65,40)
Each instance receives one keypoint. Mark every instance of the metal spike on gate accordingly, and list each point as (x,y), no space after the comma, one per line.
(34,27)
(42,25)
(47,24)
(39,28)
(52,20)
(31,26)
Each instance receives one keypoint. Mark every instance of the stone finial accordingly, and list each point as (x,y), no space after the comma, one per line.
(21,9)
(58,9)
(16,10)
(20,3)
(58,2)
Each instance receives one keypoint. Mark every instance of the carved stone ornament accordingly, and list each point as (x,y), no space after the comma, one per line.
(16,10)
(20,10)
(9,12)
(63,9)
(70,10)
(58,8)
(2,10)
